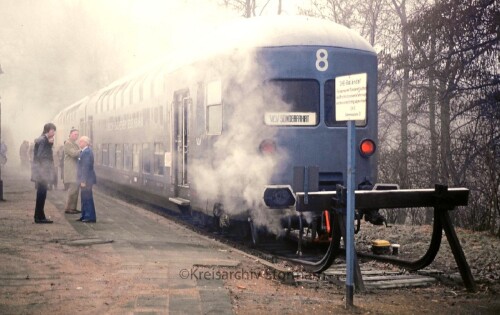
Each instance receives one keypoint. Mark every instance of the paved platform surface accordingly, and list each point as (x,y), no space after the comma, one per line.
(65,266)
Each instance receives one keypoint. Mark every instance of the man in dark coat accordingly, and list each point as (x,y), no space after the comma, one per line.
(86,178)
(42,171)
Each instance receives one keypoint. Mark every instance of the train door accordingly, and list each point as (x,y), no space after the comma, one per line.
(181,110)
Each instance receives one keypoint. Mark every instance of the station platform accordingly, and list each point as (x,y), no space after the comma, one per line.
(131,261)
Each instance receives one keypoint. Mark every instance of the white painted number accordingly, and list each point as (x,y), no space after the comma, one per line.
(322,59)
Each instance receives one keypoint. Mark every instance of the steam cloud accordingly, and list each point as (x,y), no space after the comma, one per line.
(235,171)
(54,53)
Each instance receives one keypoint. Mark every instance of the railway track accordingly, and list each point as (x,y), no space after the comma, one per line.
(281,253)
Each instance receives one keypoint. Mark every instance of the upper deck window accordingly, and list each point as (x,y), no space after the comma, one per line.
(298,103)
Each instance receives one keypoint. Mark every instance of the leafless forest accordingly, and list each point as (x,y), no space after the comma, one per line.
(439,97)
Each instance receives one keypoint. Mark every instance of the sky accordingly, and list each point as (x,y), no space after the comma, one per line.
(54,52)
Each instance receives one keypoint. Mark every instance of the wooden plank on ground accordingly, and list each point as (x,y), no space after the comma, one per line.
(392,277)
(340,272)
(393,284)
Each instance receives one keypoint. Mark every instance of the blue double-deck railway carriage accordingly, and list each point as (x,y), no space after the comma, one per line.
(151,130)
(324,143)
(303,57)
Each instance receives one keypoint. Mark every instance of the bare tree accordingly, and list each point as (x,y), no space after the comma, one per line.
(456,49)
(400,8)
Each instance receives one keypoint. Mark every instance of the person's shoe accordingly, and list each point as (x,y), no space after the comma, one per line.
(71,211)
(43,221)
(88,221)
(80,219)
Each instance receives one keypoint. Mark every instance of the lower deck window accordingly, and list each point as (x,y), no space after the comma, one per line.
(112,157)
(136,157)
(159,159)
(105,156)
(127,154)
(146,156)
(292,102)
(119,156)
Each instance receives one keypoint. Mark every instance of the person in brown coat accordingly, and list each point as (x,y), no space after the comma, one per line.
(71,155)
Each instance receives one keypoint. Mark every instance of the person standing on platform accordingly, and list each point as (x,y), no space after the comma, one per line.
(31,152)
(71,155)
(53,184)
(23,154)
(3,153)
(42,171)
(86,178)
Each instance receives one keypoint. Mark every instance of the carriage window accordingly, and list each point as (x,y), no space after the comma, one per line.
(127,153)
(214,108)
(300,103)
(330,120)
(119,97)
(146,162)
(98,155)
(160,111)
(126,94)
(136,95)
(100,109)
(111,151)
(107,102)
(214,120)
(136,158)
(105,156)
(159,159)
(119,156)
(156,114)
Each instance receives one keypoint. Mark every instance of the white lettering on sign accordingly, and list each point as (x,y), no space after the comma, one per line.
(290,119)
(350,97)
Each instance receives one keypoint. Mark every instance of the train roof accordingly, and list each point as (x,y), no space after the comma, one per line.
(271,31)
(248,33)
(259,32)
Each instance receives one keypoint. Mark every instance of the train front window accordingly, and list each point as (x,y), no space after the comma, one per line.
(330,119)
(292,102)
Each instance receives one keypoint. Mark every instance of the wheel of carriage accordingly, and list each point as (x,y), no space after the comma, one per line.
(314,230)
(221,219)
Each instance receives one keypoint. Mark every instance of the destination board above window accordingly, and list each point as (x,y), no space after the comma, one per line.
(290,119)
